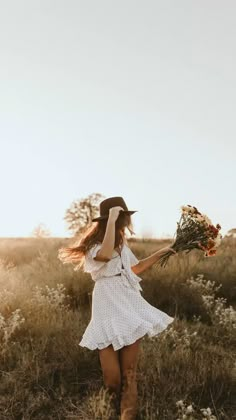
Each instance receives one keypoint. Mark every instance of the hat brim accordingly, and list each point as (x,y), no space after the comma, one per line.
(106,217)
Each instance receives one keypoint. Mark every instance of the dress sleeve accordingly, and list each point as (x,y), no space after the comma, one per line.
(132,258)
(90,264)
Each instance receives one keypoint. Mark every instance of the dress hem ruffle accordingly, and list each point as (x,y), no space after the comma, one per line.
(120,341)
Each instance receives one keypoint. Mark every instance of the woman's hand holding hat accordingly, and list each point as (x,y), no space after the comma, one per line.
(114,212)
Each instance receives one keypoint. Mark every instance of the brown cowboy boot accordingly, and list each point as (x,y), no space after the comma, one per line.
(129,396)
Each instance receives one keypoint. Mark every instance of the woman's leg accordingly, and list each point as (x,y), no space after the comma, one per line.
(109,359)
(129,394)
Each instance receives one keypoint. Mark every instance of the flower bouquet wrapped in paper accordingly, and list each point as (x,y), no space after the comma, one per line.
(194,231)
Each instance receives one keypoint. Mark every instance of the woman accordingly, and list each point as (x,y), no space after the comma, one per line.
(120,315)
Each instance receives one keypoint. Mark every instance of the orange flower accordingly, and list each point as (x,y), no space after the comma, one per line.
(210,243)
(213,231)
(211,252)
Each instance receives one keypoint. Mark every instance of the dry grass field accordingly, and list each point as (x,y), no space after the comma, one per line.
(187,372)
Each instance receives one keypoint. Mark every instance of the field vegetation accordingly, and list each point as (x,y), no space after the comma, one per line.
(187,372)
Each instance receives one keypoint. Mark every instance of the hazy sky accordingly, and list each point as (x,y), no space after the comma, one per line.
(129,98)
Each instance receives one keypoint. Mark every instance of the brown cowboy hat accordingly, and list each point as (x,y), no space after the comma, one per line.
(106,204)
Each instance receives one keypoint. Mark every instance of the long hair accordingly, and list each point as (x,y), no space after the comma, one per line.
(92,235)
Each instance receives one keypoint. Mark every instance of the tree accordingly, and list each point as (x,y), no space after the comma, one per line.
(81,212)
(41,231)
(231,233)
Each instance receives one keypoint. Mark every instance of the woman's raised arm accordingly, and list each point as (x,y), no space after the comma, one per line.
(108,243)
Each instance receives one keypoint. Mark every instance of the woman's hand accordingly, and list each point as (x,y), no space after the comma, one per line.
(167,249)
(114,212)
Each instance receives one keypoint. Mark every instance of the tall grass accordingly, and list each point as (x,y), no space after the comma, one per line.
(187,372)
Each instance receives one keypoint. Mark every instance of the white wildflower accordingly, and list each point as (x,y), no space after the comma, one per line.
(206,219)
(180,403)
(189,409)
(199,218)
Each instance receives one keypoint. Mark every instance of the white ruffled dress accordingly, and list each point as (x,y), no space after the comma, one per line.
(120,315)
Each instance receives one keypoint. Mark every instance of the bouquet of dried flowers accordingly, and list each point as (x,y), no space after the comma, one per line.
(194,230)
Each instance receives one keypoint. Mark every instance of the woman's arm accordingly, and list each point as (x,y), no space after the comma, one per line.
(106,250)
(145,263)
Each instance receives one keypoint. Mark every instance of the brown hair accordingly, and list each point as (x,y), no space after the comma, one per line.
(92,235)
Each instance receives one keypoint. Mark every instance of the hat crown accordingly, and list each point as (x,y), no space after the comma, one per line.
(106,204)
(110,202)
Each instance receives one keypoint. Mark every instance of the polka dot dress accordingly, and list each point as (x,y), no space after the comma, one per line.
(120,314)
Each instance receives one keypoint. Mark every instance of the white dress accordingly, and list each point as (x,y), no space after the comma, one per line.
(120,315)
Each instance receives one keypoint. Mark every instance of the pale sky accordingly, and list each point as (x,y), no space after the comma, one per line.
(129,98)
